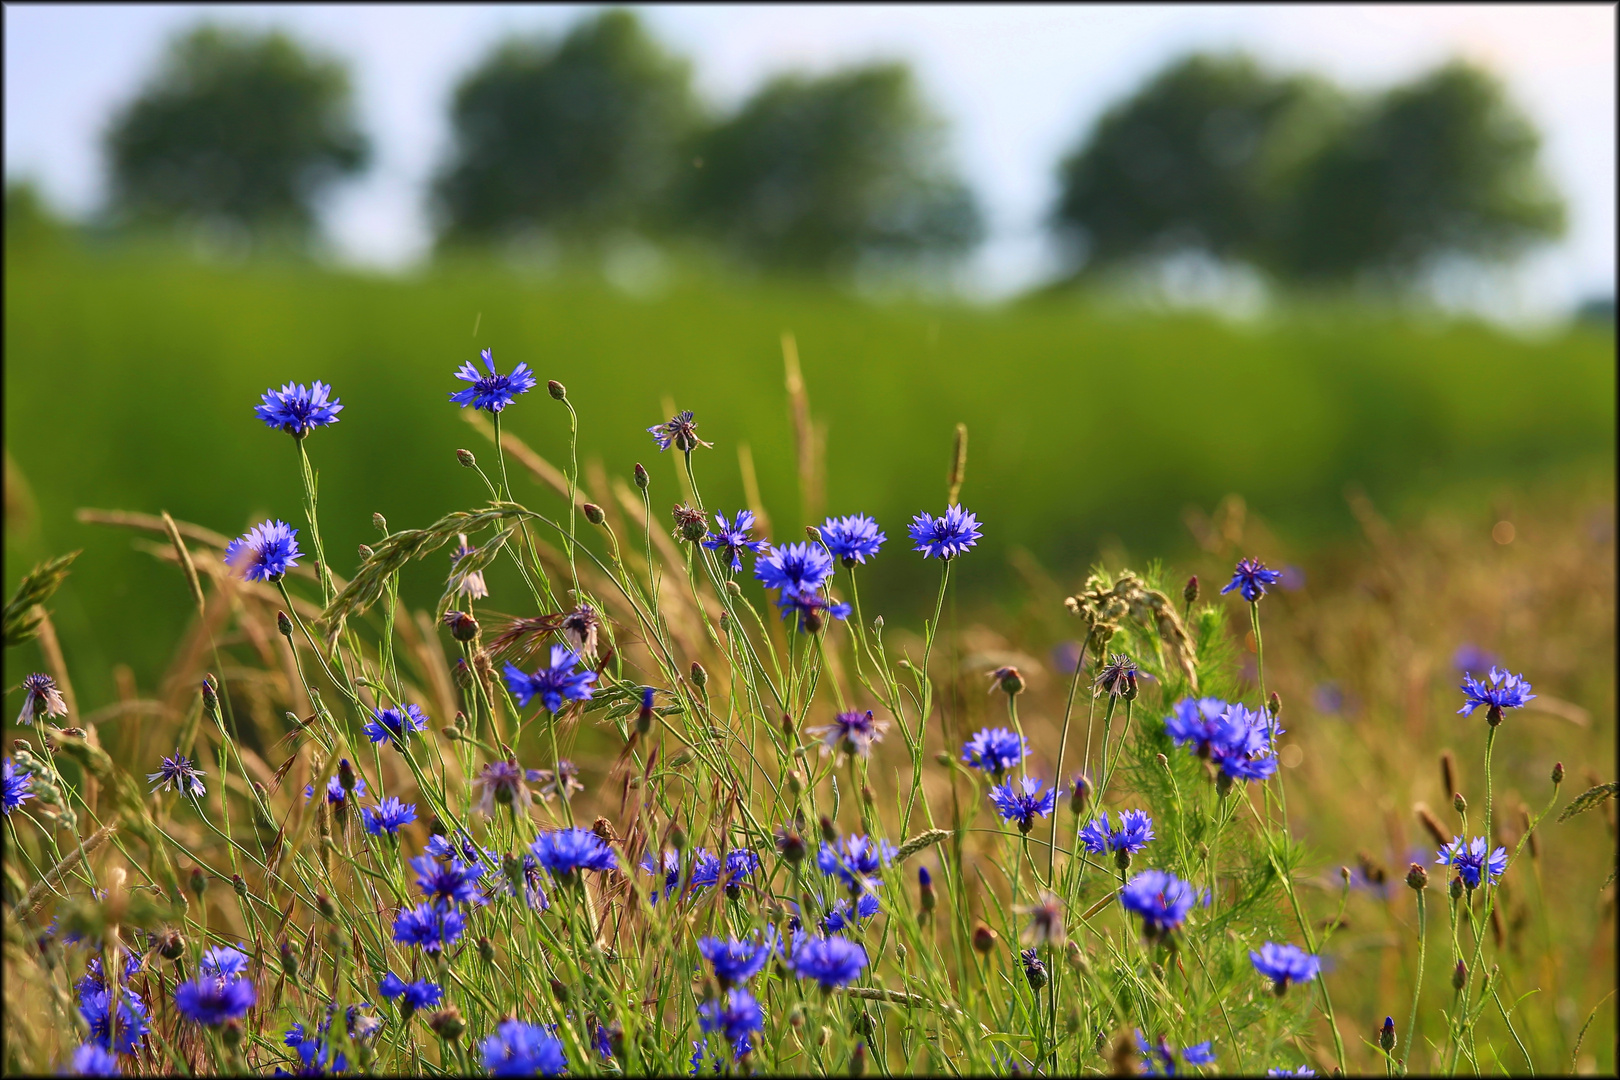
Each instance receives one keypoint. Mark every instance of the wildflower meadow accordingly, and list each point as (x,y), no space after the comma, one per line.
(650,790)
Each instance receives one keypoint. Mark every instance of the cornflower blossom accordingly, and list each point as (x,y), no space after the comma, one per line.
(1118,677)
(794,568)
(852,733)
(553,685)
(1022,801)
(492,392)
(679,431)
(840,915)
(548,782)
(421,994)
(700,1047)
(830,961)
(670,869)
(734,961)
(1244,748)
(123,1036)
(1160,1059)
(17,783)
(468,583)
(1045,921)
(1496,692)
(501,782)
(223,962)
(93,1060)
(316,1053)
(387,817)
(1163,900)
(265,552)
(564,852)
(1133,833)
(334,789)
(429,927)
(809,607)
(392,724)
(945,537)
(735,1016)
(180,774)
(1471,863)
(1196,723)
(732,540)
(1251,578)
(1303,1070)
(40,698)
(854,859)
(519,1049)
(995,750)
(739,863)
(522,878)
(211,1002)
(298,409)
(852,539)
(1283,964)
(454,882)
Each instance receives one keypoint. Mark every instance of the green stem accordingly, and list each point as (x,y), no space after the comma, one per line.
(1417,984)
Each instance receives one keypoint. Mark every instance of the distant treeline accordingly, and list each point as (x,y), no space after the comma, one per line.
(600,134)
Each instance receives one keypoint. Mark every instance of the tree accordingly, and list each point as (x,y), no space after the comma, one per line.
(1444,166)
(1197,159)
(574,137)
(815,173)
(245,126)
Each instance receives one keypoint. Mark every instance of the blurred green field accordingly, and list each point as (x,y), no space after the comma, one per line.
(130,380)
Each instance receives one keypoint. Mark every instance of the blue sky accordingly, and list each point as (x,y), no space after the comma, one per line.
(1019,84)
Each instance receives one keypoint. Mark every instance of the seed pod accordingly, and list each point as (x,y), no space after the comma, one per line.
(641,477)
(284,625)
(593,513)
(556,389)
(210,698)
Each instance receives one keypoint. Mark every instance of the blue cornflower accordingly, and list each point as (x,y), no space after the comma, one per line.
(700,1047)
(1160,1059)
(392,724)
(1162,900)
(1251,577)
(1470,862)
(492,392)
(1196,723)
(852,539)
(679,431)
(739,863)
(794,568)
(40,698)
(840,915)
(734,961)
(1497,691)
(428,926)
(553,685)
(731,541)
(670,869)
(1283,964)
(93,1060)
(851,732)
(125,1036)
(297,409)
(179,773)
(1244,744)
(502,782)
(1022,801)
(808,607)
(17,783)
(334,788)
(223,962)
(830,961)
(389,815)
(945,537)
(1132,835)
(265,552)
(995,750)
(212,1001)
(1303,1070)
(315,1052)
(563,852)
(519,1049)
(421,994)
(854,858)
(735,1016)
(524,879)
(454,882)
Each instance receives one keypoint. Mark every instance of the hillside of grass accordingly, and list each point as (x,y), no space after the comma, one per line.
(130,381)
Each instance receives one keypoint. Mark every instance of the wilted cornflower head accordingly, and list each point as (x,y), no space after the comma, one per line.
(223,962)
(1118,676)
(553,685)
(1283,964)
(124,1036)
(1496,692)
(334,789)
(1471,863)
(40,698)
(1251,578)
(794,568)
(265,552)
(549,783)
(1045,921)
(388,816)
(392,724)
(429,926)
(1162,900)
(945,537)
(679,431)
(1133,833)
(211,1001)
(16,785)
(734,961)
(466,582)
(1022,801)
(579,629)
(297,409)
(854,858)
(93,1060)
(851,732)
(501,782)
(179,774)
(563,852)
(995,750)
(732,540)
(830,961)
(734,1016)
(841,916)
(1160,1059)
(492,392)
(519,1049)
(852,539)
(454,882)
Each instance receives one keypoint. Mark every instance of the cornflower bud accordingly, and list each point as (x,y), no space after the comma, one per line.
(593,513)
(813,533)
(641,476)
(1122,859)
(379,523)
(466,458)
(210,698)
(346,778)
(1558,773)
(1274,705)
(1459,976)
(559,991)
(231,1034)
(1386,1035)
(1417,878)
(1223,784)
(867,795)
(644,715)
(796,1015)
(791,845)
(857,1060)
(1079,794)
(486,951)
(556,389)
(1458,803)
(1456,889)
(447,1023)
(677,837)
(198,881)
(239,885)
(324,905)
(823,1035)
(171,944)
(700,677)
(795,782)
(450,732)
(289,961)
(284,625)
(1076,957)
(925,891)
(365,552)
(1034,970)
(984,938)
(787,725)
(1190,592)
(829,831)
(1009,680)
